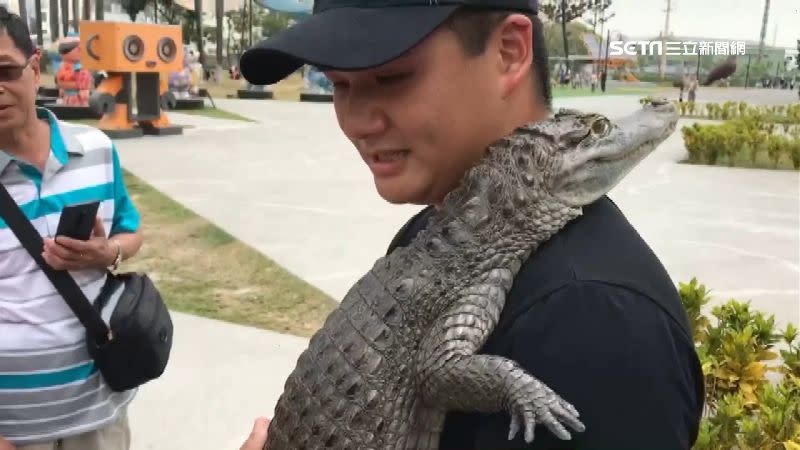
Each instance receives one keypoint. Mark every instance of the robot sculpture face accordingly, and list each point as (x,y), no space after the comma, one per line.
(138,59)
(131,47)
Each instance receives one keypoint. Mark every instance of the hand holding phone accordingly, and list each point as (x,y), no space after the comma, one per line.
(77,221)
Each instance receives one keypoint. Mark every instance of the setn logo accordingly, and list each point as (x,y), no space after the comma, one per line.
(675,48)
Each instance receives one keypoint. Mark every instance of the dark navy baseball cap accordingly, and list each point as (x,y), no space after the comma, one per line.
(356,35)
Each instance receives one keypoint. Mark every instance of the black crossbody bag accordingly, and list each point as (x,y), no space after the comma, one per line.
(135,348)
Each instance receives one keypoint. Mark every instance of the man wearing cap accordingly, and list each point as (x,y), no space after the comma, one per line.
(421,88)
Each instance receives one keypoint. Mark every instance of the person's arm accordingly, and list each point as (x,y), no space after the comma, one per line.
(611,352)
(5,445)
(100,251)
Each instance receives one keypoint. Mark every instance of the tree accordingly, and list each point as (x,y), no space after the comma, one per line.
(23,11)
(198,9)
(170,12)
(274,23)
(54,34)
(764,21)
(597,9)
(133,7)
(76,15)
(65,16)
(565,11)
(39,38)
(220,11)
(553,38)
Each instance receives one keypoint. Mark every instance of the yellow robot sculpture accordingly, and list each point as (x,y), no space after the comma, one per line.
(137,58)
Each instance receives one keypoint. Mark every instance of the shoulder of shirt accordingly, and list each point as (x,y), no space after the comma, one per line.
(402,237)
(81,138)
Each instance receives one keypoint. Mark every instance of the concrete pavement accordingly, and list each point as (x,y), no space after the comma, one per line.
(220,377)
(293,188)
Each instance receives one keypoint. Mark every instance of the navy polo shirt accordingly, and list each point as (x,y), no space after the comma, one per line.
(595,316)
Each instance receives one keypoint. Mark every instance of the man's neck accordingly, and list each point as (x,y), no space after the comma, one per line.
(30,143)
(523,114)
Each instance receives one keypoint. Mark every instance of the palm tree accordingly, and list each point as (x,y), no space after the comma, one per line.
(76,17)
(23,11)
(198,9)
(220,13)
(37,4)
(764,21)
(54,34)
(65,16)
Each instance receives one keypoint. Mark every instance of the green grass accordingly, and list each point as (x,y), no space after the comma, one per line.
(215,113)
(203,270)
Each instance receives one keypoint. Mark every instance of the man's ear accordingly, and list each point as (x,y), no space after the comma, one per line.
(36,66)
(513,39)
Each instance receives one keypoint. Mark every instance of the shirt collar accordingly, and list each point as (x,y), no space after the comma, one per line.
(61,144)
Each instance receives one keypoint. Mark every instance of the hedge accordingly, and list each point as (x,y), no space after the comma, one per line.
(744,142)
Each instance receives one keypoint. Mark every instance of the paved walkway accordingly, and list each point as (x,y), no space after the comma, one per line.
(292,187)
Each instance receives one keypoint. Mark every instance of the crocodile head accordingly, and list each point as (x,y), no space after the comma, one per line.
(589,154)
(572,158)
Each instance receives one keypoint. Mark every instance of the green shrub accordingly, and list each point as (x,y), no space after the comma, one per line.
(784,114)
(750,140)
(743,410)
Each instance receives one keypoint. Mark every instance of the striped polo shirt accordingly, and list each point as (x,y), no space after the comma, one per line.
(49,386)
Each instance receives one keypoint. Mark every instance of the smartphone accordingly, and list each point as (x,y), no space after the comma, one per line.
(77,221)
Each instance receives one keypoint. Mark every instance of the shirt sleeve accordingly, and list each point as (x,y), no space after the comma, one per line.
(622,362)
(126,216)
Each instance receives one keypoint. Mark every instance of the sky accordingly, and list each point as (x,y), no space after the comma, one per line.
(719,19)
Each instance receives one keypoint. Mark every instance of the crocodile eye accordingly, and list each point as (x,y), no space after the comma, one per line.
(575,136)
(600,126)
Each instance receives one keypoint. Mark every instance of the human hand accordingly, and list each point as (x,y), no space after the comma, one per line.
(5,445)
(257,438)
(63,253)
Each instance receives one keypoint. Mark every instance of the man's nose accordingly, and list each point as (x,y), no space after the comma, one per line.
(361,118)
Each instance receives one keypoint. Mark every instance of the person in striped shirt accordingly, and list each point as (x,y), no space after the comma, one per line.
(51,394)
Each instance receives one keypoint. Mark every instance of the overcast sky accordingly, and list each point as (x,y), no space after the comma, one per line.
(719,19)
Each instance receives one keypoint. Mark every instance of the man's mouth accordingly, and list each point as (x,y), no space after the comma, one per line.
(387,156)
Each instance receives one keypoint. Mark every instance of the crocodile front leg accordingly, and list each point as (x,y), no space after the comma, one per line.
(451,376)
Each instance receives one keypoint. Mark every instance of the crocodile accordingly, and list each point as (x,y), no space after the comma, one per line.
(402,347)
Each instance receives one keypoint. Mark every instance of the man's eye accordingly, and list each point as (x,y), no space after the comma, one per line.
(395,78)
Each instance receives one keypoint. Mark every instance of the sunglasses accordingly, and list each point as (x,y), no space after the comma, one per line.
(12,72)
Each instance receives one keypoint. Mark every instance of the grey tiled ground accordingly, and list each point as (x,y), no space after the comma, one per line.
(292,187)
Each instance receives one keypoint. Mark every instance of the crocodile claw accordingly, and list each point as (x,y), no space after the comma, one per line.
(535,404)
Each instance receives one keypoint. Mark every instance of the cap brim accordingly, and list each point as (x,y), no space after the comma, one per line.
(342,39)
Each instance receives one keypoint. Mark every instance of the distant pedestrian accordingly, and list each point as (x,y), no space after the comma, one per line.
(693,85)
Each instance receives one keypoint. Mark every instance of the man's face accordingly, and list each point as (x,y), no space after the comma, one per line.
(19,80)
(420,121)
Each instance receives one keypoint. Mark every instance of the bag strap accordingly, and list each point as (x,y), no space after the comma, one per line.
(61,279)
